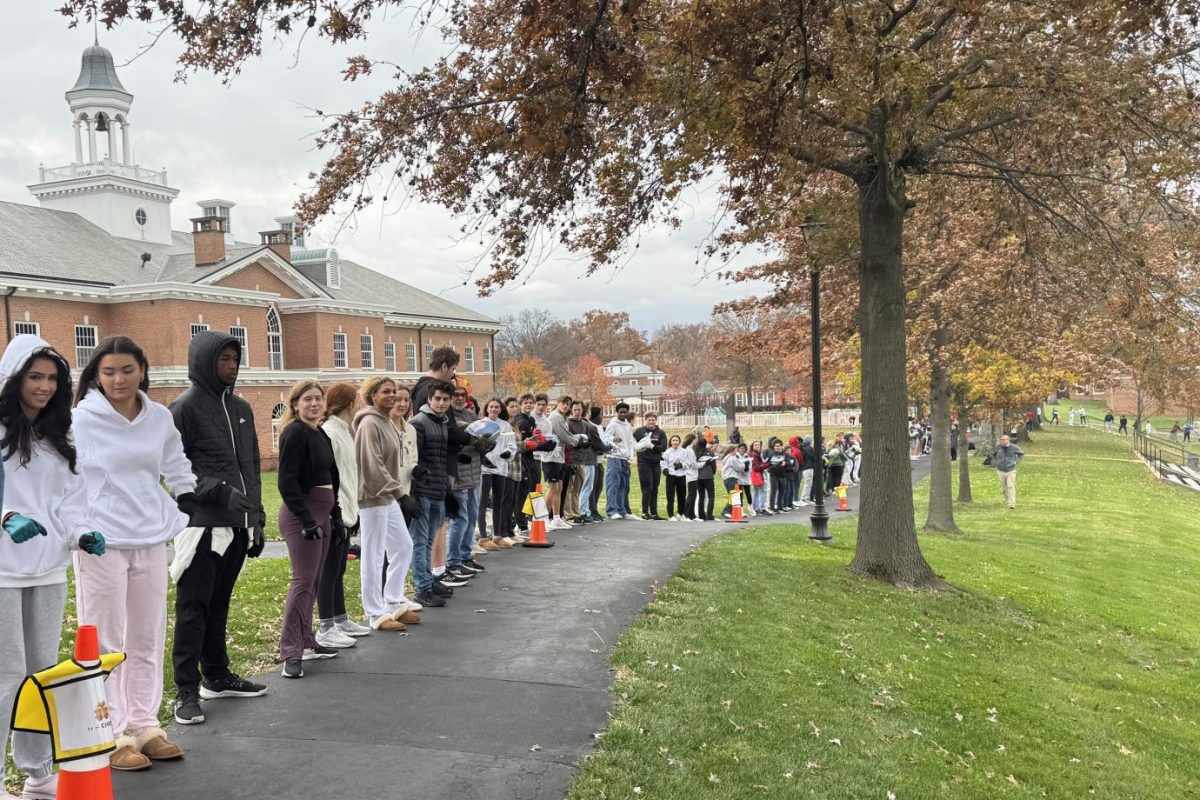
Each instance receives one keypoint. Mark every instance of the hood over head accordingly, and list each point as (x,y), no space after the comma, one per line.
(20,350)
(808,440)
(794,441)
(203,352)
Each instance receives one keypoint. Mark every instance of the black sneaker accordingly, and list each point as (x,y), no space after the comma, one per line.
(293,668)
(430,600)
(471,567)
(460,571)
(187,707)
(230,686)
(448,578)
(440,590)
(596,518)
(320,651)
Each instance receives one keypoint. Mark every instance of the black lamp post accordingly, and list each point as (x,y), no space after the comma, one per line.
(820,517)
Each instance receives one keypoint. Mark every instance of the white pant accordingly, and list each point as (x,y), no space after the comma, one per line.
(124,594)
(383,532)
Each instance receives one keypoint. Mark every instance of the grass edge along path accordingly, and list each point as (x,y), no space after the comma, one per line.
(1061,666)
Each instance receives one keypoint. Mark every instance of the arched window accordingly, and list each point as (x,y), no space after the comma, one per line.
(274,340)
(276,415)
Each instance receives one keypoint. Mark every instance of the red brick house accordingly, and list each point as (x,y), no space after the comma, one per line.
(98,257)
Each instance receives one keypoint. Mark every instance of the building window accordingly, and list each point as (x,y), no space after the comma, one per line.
(239,332)
(428,355)
(487,359)
(770,398)
(85,342)
(758,398)
(469,358)
(366,345)
(274,340)
(34,328)
(198,327)
(339,351)
(739,399)
(276,415)
(389,355)
(410,357)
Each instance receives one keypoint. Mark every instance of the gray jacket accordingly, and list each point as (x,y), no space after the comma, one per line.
(1006,459)
(468,476)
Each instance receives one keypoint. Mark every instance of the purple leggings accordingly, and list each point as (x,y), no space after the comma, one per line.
(307,556)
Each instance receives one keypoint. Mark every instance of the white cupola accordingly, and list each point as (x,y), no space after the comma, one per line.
(103,184)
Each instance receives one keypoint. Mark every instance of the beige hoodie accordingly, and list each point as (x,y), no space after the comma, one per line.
(377,450)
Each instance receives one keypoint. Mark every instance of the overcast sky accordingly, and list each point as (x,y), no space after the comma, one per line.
(251,143)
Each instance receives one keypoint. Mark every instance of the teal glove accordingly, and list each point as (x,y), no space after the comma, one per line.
(92,543)
(22,529)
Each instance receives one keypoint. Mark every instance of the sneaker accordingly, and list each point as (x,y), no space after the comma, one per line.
(673,518)
(352,628)
(475,565)
(460,571)
(727,516)
(631,515)
(563,521)
(556,524)
(430,600)
(230,686)
(293,668)
(508,540)
(384,622)
(439,589)
(335,639)
(319,652)
(615,516)
(41,788)
(488,546)
(187,707)
(469,566)
(448,578)
(596,518)
(519,538)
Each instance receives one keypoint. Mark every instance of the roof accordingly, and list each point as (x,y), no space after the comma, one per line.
(97,71)
(363,285)
(637,367)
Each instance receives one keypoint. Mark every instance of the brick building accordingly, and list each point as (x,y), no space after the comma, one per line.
(99,257)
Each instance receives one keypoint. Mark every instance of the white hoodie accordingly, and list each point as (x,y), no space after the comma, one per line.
(45,490)
(624,448)
(686,459)
(123,461)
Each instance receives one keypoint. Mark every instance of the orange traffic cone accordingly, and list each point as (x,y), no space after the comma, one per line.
(735,501)
(536,508)
(843,500)
(87,778)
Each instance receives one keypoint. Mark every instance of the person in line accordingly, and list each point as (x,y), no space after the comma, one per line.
(128,447)
(778,465)
(541,422)
(577,460)
(588,460)
(383,508)
(555,463)
(807,498)
(953,441)
(735,470)
(616,484)
(308,485)
(689,443)
(676,460)
(835,459)
(706,470)
(757,483)
(793,476)
(600,446)
(526,427)
(224,528)
(335,628)
(470,505)
(1005,459)
(495,479)
(431,487)
(650,442)
(1123,425)
(1083,416)
(45,517)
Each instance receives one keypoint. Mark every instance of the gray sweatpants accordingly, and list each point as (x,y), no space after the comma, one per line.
(31,627)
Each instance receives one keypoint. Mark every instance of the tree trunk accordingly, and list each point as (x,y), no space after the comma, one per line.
(964,471)
(887,547)
(941,492)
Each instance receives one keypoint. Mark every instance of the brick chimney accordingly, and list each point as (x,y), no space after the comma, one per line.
(280,241)
(208,239)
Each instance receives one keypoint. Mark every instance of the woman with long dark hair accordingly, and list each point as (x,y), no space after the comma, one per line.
(128,447)
(308,484)
(45,517)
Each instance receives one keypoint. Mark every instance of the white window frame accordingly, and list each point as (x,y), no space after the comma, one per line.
(197,328)
(276,415)
(469,358)
(83,351)
(242,334)
(410,356)
(366,350)
(428,354)
(739,398)
(274,340)
(33,328)
(389,355)
(340,338)
(487,360)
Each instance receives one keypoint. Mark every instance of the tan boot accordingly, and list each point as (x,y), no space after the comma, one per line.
(489,545)
(154,744)
(501,543)
(127,758)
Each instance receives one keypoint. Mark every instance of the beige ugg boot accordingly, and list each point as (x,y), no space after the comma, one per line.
(153,743)
(127,758)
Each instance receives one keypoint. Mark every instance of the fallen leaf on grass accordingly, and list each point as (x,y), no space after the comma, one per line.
(1013,781)
(481,611)
(838,742)
(1123,750)
(712,778)
(536,748)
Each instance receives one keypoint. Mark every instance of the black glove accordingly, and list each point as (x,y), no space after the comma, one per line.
(257,542)
(548,446)
(335,517)
(186,503)
(464,457)
(311,532)
(409,507)
(234,499)
(420,471)
(341,533)
(484,444)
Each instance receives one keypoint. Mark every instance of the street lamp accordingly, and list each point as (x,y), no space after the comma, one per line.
(820,517)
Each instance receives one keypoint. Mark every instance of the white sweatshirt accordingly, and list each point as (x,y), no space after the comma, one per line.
(624,448)
(123,462)
(45,490)
(506,442)
(686,459)
(346,459)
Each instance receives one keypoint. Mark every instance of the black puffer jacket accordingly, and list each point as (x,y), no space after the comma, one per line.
(217,428)
(432,452)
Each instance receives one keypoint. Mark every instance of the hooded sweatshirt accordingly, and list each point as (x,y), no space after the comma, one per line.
(377,448)
(44,490)
(686,458)
(122,462)
(347,465)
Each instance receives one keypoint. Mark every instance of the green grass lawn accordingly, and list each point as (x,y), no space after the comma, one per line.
(1062,666)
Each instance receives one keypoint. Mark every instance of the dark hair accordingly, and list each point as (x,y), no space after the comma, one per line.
(53,422)
(445,387)
(596,414)
(510,399)
(579,403)
(338,398)
(443,357)
(622,405)
(503,408)
(566,398)
(113,345)
(526,396)
(542,396)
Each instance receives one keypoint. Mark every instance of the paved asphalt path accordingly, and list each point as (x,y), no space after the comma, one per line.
(495,696)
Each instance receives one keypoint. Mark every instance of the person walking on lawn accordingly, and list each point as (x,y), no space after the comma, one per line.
(225,527)
(128,448)
(1005,459)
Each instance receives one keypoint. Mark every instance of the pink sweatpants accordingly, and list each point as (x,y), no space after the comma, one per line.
(124,594)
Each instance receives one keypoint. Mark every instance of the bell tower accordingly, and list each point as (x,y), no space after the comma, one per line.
(103,184)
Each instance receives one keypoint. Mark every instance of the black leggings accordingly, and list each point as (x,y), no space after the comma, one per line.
(677,493)
(512,499)
(331,591)
(497,487)
(649,476)
(704,498)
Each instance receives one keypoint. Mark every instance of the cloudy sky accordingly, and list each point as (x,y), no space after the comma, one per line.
(252,143)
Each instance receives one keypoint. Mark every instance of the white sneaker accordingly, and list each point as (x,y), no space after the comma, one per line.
(615,516)
(41,789)
(673,519)
(318,653)
(335,638)
(564,523)
(632,516)
(352,628)
(519,537)
(556,524)
(476,550)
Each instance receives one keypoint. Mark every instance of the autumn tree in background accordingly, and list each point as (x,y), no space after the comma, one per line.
(745,361)
(608,335)
(589,383)
(684,352)
(529,332)
(518,376)
(582,123)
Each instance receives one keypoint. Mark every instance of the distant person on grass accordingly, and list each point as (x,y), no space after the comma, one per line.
(1108,422)
(1123,426)
(1005,459)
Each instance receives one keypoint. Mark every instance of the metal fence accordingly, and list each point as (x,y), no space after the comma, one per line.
(1170,461)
